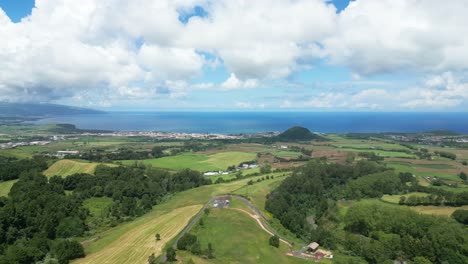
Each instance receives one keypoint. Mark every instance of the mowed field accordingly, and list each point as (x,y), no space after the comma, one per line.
(5,187)
(136,238)
(135,246)
(199,161)
(68,167)
(237,238)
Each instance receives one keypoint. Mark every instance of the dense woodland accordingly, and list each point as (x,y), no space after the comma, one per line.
(39,220)
(307,204)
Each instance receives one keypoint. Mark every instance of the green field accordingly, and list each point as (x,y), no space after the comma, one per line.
(6,186)
(411,168)
(396,198)
(198,161)
(97,205)
(237,238)
(68,167)
(136,238)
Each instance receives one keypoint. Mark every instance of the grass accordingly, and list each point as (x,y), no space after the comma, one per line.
(237,238)
(198,161)
(401,167)
(396,198)
(135,246)
(68,167)
(6,186)
(133,242)
(97,205)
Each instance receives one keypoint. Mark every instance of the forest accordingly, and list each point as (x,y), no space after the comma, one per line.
(41,217)
(307,204)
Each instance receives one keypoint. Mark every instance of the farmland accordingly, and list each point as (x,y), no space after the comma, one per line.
(169,217)
(247,243)
(68,167)
(199,161)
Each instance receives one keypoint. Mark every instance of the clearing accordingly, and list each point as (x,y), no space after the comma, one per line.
(6,186)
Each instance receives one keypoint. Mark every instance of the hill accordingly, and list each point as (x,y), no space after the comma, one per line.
(298,133)
(41,110)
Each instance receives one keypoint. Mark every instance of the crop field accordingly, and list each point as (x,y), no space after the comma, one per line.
(135,246)
(200,162)
(5,187)
(372,146)
(437,210)
(422,172)
(68,167)
(237,238)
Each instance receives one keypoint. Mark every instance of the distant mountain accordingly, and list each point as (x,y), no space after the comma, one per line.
(298,133)
(41,110)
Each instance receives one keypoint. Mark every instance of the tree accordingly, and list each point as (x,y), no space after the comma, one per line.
(202,223)
(158,237)
(421,260)
(207,211)
(461,216)
(186,241)
(70,227)
(463,176)
(196,248)
(209,251)
(171,254)
(274,241)
(465,162)
(65,250)
(152,259)
(266,168)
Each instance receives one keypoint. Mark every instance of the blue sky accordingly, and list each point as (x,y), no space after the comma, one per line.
(282,55)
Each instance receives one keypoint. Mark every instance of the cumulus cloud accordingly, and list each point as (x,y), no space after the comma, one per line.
(234,83)
(110,49)
(400,35)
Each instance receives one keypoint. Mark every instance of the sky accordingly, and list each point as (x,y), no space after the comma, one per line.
(236,55)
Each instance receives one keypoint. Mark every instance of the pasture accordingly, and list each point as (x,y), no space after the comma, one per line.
(136,238)
(395,199)
(5,187)
(237,238)
(198,161)
(68,167)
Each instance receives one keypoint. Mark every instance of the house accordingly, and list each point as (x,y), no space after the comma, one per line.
(313,246)
(210,173)
(284,147)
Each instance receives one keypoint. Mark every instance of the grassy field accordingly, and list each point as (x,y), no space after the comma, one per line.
(396,198)
(136,238)
(97,205)
(237,238)
(5,187)
(137,245)
(198,161)
(411,168)
(68,167)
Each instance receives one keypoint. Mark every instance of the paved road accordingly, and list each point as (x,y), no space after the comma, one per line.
(202,211)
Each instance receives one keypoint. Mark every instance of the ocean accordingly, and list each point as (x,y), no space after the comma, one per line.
(250,122)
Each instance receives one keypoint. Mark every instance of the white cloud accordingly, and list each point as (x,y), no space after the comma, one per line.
(111,49)
(234,83)
(401,35)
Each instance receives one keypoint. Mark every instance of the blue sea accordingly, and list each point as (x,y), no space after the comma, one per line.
(249,122)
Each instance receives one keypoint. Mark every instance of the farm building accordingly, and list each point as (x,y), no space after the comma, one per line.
(313,246)
(222,202)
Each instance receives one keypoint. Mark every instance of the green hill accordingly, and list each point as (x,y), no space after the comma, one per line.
(298,133)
